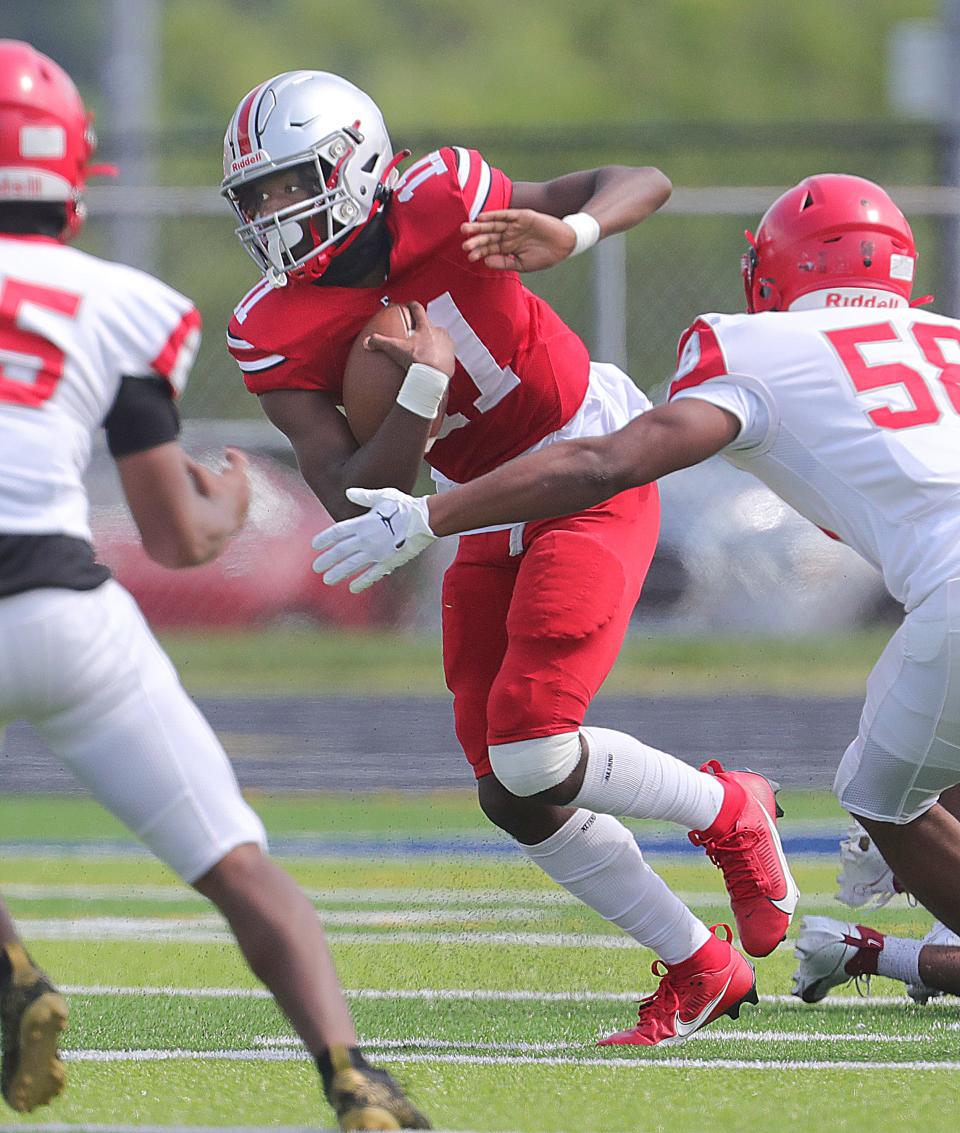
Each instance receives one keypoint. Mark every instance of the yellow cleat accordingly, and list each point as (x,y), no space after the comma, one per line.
(33,1015)
(366,1098)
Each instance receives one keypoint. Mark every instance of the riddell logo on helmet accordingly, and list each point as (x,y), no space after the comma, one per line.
(869,297)
(248,160)
(27,185)
(849,298)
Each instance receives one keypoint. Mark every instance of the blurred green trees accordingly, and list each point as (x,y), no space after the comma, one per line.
(446,65)
(715,92)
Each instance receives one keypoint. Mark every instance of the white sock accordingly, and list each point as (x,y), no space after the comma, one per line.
(626,777)
(900,959)
(597,859)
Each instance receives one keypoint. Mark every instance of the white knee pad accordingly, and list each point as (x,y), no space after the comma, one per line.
(529,766)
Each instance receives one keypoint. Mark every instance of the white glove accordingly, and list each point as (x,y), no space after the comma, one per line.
(394,531)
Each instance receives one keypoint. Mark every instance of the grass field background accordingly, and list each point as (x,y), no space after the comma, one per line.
(471,976)
(314,661)
(480,984)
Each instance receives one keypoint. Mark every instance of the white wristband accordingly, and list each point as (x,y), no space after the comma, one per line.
(422,390)
(586,229)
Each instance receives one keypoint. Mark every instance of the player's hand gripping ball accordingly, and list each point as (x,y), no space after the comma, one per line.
(371,379)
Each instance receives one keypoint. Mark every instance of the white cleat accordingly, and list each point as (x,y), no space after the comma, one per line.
(832,953)
(865,879)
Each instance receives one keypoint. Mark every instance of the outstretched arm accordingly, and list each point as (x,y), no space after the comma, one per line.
(530,235)
(568,477)
(558,480)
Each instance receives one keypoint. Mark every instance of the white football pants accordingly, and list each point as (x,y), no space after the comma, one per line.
(85,670)
(908,747)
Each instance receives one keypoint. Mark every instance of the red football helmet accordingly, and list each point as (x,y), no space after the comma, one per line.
(832,232)
(46,133)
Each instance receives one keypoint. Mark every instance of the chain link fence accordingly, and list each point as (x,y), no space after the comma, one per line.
(630,299)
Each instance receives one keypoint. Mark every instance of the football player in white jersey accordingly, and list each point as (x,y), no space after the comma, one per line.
(85,343)
(844,397)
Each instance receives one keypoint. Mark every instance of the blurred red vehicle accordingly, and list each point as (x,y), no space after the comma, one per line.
(263,576)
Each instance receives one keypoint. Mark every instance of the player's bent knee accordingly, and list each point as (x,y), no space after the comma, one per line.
(237,865)
(527,767)
(236,833)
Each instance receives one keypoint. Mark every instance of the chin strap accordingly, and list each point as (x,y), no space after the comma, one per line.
(923,301)
(314,269)
(392,164)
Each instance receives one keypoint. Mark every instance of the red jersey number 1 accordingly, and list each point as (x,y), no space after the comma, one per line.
(30,363)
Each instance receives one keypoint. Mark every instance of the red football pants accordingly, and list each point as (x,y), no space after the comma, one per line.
(529,638)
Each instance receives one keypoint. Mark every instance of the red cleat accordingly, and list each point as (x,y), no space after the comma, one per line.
(744,844)
(715,981)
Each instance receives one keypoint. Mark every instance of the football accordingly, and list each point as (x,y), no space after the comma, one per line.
(371,379)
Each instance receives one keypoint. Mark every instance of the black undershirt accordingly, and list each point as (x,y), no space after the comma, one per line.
(142,417)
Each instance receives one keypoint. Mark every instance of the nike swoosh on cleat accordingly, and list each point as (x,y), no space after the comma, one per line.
(788,902)
(684,1029)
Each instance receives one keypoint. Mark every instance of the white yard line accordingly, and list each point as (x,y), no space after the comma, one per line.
(446,914)
(481,994)
(712,1035)
(399,895)
(414,895)
(212,930)
(638,1063)
(59,1127)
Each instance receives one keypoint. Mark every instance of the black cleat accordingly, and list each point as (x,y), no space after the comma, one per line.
(32,1016)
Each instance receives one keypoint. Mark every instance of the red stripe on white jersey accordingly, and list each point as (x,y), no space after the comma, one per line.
(178,352)
(699,358)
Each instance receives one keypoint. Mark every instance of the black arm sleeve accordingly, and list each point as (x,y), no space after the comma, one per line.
(142,416)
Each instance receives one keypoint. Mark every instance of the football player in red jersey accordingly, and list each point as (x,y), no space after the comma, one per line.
(840,392)
(533,615)
(86,343)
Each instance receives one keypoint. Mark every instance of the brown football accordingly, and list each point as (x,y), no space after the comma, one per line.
(371,379)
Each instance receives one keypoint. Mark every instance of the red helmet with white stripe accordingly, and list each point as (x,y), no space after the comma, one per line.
(832,240)
(336,134)
(46,133)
